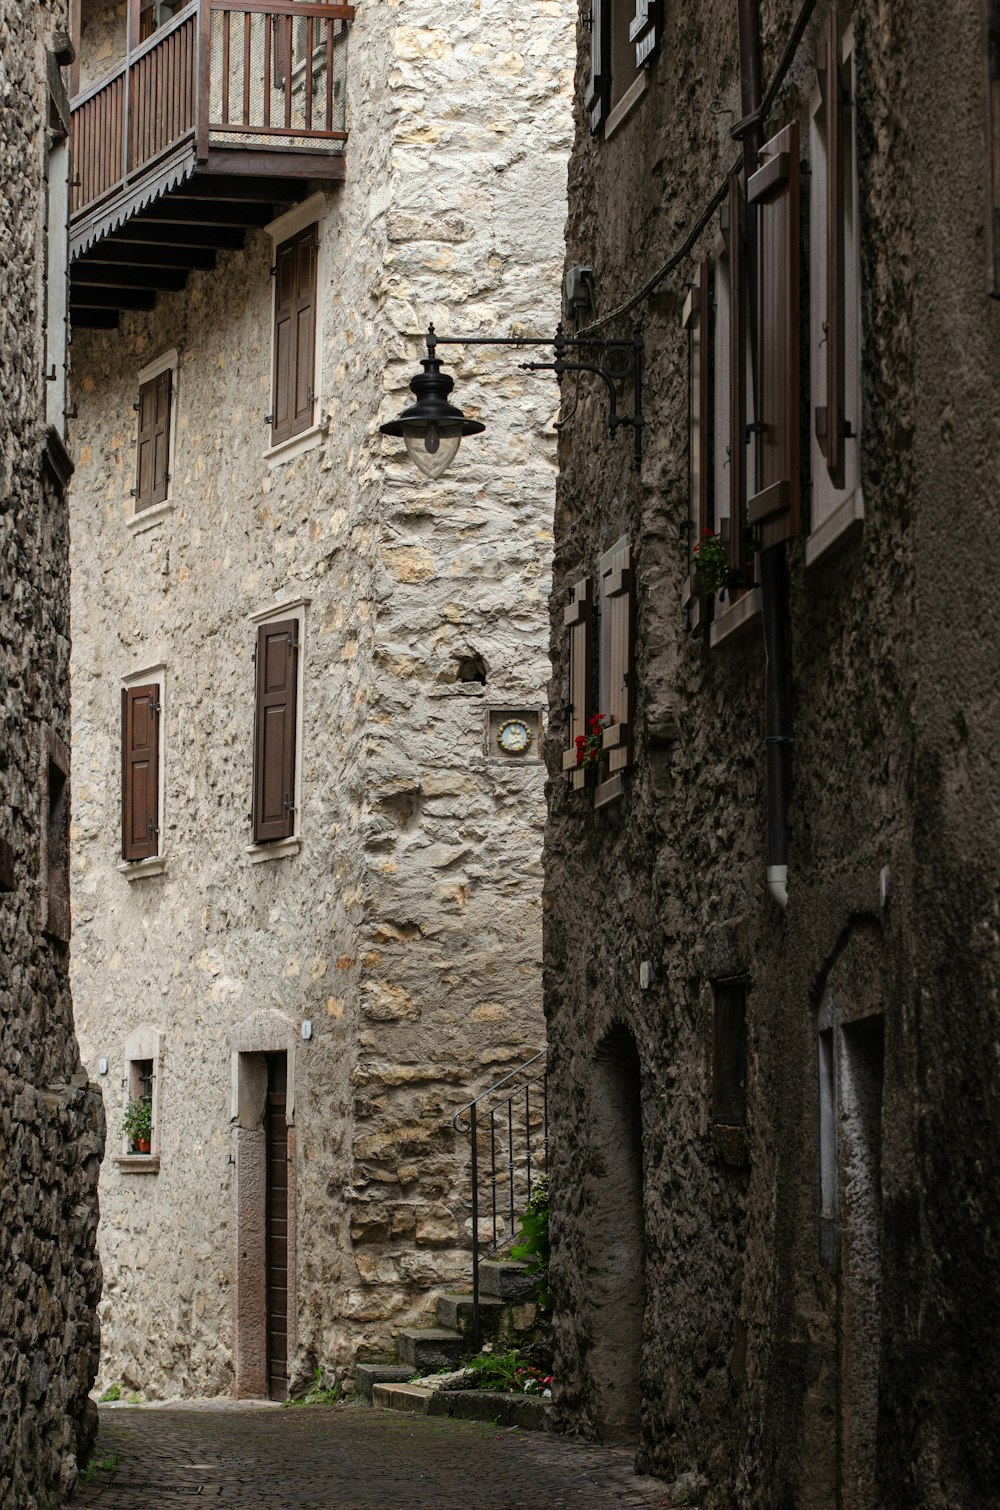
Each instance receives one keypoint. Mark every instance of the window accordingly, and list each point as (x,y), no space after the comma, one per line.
(624,35)
(142,740)
(156,13)
(578,618)
(155,440)
(615,678)
(729,1055)
(294,395)
(142,1055)
(55,838)
(698,323)
(277,738)
(834,298)
(993,86)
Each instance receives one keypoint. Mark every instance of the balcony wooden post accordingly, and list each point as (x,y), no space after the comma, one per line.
(203,81)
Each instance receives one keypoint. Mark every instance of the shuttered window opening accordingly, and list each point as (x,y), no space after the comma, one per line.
(599,80)
(616,675)
(152,480)
(274,731)
(698,322)
(729,1055)
(993,86)
(834,280)
(294,399)
(742,441)
(624,37)
(140,772)
(774,191)
(578,618)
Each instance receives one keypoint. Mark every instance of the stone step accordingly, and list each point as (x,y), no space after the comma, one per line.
(505,1280)
(367,1375)
(455,1312)
(528,1412)
(430,1348)
(412,1397)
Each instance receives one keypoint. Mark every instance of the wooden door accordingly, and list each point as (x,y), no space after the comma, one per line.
(276,1230)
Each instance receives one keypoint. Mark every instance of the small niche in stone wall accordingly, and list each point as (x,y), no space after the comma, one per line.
(6,866)
(514,736)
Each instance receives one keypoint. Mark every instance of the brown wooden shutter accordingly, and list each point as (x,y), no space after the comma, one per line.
(617,674)
(578,618)
(831,427)
(140,772)
(774,189)
(697,323)
(152,475)
(993,86)
(736,244)
(294,336)
(644,30)
(274,731)
(599,82)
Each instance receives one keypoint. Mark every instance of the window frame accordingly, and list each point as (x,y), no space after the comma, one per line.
(280,849)
(311,212)
(141,519)
(144,1045)
(152,865)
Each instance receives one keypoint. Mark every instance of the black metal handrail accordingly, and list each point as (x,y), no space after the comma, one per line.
(523,1124)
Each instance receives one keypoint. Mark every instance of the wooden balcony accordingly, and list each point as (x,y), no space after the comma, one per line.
(230,111)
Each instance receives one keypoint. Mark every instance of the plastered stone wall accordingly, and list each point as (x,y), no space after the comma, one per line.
(408,928)
(895,737)
(51,1120)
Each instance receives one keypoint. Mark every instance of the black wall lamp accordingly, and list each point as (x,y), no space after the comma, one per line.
(433,428)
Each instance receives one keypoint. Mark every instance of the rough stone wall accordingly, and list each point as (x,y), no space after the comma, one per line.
(895,731)
(408,928)
(51,1121)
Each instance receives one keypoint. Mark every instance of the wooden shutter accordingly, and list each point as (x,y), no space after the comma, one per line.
(993,86)
(274,731)
(831,426)
(729,1056)
(152,477)
(599,82)
(697,323)
(578,618)
(616,671)
(140,772)
(644,30)
(294,336)
(774,189)
(736,245)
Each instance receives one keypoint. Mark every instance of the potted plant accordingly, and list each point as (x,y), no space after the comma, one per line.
(590,747)
(137,1124)
(711,563)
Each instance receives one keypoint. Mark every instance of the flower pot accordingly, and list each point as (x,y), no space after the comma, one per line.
(142,1145)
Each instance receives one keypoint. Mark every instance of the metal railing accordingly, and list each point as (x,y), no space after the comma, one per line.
(508,1134)
(265,74)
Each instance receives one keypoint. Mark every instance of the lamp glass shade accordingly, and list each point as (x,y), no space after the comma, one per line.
(431,452)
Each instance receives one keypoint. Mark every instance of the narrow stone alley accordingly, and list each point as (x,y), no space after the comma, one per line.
(315,1457)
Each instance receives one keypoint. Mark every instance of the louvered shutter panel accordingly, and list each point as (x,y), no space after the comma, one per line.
(285,299)
(140,772)
(697,323)
(774,189)
(578,618)
(305,329)
(274,731)
(644,30)
(993,85)
(737,251)
(145,455)
(831,425)
(599,83)
(161,437)
(617,675)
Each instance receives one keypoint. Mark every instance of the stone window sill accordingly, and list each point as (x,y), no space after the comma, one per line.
(626,104)
(735,619)
(138,870)
(295,446)
(147,519)
(280,849)
(835,531)
(139,1163)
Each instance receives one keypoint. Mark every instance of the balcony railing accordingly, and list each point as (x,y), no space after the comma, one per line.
(240,76)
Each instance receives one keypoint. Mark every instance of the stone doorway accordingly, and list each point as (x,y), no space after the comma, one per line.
(264,1289)
(616,1239)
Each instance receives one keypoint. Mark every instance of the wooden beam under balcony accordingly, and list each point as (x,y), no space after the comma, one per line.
(143,233)
(85,318)
(114,252)
(111,298)
(88,275)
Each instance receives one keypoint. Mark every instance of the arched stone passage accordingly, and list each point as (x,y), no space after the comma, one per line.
(263,1083)
(615,1238)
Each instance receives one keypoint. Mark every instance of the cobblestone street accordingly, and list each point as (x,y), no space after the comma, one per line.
(317,1457)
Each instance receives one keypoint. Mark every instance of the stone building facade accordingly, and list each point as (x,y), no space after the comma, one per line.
(51,1119)
(773,1023)
(386,947)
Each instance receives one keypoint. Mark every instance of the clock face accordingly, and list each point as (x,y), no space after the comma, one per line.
(514,736)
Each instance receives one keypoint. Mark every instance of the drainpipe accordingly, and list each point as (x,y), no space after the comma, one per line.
(773,566)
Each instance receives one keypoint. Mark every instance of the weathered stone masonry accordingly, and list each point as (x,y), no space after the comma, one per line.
(755,1359)
(51,1120)
(407,928)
